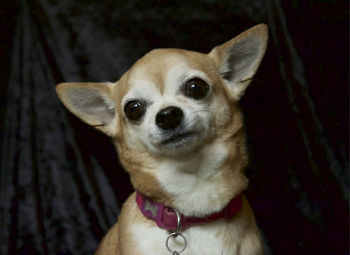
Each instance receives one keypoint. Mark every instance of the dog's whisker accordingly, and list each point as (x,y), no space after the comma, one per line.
(100,125)
(249,79)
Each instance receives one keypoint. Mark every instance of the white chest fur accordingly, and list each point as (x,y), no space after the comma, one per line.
(204,240)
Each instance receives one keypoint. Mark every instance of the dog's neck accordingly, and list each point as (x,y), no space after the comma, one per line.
(197,185)
(204,184)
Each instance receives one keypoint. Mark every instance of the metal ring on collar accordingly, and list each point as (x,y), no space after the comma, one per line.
(178,217)
(175,235)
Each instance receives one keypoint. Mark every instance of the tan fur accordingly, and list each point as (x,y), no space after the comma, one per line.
(101,105)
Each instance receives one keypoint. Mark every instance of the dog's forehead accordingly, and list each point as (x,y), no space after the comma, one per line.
(163,67)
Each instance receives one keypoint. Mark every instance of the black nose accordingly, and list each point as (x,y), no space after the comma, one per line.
(169,118)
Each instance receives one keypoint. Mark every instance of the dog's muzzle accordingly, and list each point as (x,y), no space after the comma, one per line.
(170,122)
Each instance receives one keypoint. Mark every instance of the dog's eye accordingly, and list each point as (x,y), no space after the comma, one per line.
(134,110)
(196,89)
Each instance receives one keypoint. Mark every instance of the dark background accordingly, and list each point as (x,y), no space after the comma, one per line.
(61,183)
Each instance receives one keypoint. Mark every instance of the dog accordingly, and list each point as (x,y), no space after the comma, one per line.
(175,120)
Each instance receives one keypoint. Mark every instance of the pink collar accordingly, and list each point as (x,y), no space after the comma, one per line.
(165,217)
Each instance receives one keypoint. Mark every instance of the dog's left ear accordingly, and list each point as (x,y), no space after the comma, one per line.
(238,59)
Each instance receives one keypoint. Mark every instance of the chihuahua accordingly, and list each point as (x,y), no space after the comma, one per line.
(175,120)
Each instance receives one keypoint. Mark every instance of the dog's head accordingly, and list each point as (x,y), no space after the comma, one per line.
(171,103)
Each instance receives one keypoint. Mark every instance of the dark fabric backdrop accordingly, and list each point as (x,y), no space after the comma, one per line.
(61,183)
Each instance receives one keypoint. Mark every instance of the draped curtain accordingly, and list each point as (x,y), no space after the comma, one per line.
(61,183)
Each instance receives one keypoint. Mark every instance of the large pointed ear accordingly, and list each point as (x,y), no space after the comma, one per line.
(92,103)
(238,59)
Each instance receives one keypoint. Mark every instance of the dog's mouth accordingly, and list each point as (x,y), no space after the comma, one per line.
(178,138)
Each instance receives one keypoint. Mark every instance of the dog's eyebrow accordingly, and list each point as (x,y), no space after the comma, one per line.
(196,74)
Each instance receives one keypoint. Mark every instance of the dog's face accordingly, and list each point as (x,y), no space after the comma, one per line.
(171,103)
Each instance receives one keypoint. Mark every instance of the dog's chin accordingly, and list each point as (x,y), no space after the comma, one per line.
(179,144)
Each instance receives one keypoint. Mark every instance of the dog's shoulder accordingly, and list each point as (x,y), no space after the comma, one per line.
(110,243)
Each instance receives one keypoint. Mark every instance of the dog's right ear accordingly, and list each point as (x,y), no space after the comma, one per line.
(92,103)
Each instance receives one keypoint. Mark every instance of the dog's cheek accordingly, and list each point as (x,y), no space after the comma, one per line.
(223,113)
(148,132)
(131,137)
(207,121)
